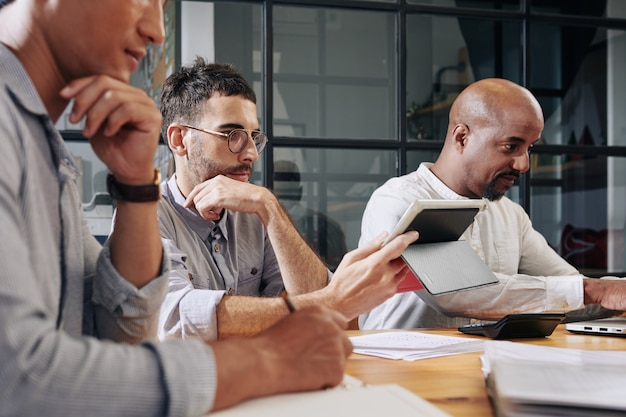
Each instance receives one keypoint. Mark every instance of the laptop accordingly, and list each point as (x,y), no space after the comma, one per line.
(614,326)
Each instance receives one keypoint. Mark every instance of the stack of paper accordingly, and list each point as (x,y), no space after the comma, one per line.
(352,398)
(411,346)
(530,380)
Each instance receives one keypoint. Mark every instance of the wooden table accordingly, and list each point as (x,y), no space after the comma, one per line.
(455,383)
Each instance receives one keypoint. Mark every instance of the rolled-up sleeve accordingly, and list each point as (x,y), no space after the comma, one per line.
(187,312)
(124,312)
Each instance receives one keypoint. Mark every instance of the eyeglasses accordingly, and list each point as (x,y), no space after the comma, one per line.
(238,138)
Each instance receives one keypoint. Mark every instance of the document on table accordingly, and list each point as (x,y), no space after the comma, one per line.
(352,398)
(530,380)
(412,346)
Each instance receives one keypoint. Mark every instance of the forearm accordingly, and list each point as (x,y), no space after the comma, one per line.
(136,250)
(515,294)
(284,358)
(245,316)
(235,359)
(301,268)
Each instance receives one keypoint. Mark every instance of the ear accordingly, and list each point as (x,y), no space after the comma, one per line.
(460,134)
(175,139)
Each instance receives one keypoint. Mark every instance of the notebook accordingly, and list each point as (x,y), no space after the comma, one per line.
(614,326)
(348,399)
(439,262)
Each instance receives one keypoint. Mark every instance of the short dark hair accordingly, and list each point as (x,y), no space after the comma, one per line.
(186,90)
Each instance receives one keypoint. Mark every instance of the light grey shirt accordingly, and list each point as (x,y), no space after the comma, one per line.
(59,292)
(209,259)
(533,277)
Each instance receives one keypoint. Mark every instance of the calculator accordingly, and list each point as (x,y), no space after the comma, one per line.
(515,326)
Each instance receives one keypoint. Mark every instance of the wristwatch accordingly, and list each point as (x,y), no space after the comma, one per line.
(135,193)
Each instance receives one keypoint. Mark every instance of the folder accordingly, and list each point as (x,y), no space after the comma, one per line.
(530,380)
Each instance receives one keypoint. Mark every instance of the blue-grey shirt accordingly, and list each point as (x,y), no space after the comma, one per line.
(59,292)
(209,259)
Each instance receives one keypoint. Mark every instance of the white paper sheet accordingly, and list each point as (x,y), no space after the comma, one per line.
(412,346)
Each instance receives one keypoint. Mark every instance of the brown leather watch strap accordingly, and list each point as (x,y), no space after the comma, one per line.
(135,193)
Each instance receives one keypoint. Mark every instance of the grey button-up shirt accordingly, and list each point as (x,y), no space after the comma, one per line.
(58,289)
(210,259)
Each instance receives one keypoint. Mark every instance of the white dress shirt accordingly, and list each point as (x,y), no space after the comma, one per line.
(533,277)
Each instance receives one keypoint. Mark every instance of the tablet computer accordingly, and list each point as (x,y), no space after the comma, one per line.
(437,220)
(438,261)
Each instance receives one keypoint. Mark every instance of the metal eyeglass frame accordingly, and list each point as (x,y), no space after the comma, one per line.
(259,145)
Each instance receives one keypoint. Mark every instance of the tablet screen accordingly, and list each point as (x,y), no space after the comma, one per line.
(438,220)
(441,225)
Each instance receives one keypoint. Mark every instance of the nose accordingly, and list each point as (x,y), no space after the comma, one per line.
(521,162)
(249,153)
(151,27)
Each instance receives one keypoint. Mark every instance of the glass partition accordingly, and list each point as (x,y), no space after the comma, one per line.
(459,51)
(579,205)
(326,190)
(476,4)
(595,8)
(374,80)
(334,73)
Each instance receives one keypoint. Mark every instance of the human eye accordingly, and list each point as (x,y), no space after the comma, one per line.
(510,147)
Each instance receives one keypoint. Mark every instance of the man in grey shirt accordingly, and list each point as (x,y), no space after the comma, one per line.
(60,291)
(233,247)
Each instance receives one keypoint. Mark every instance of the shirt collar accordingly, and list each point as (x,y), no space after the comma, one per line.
(438,185)
(192,218)
(22,90)
(442,189)
(18,82)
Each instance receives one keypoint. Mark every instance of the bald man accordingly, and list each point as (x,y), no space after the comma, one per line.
(492,127)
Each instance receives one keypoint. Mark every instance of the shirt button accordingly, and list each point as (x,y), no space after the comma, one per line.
(190,277)
(216,248)
(253,271)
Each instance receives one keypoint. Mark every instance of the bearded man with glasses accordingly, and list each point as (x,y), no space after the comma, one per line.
(233,248)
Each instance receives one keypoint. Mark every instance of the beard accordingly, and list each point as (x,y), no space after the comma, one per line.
(202,168)
(491,193)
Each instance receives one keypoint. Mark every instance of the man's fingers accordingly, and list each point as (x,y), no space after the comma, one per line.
(74,87)
(103,101)
(367,249)
(390,251)
(394,249)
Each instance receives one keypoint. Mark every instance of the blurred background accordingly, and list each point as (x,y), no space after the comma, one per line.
(352,93)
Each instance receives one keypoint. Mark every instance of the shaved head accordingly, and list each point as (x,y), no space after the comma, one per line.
(492,100)
(492,127)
